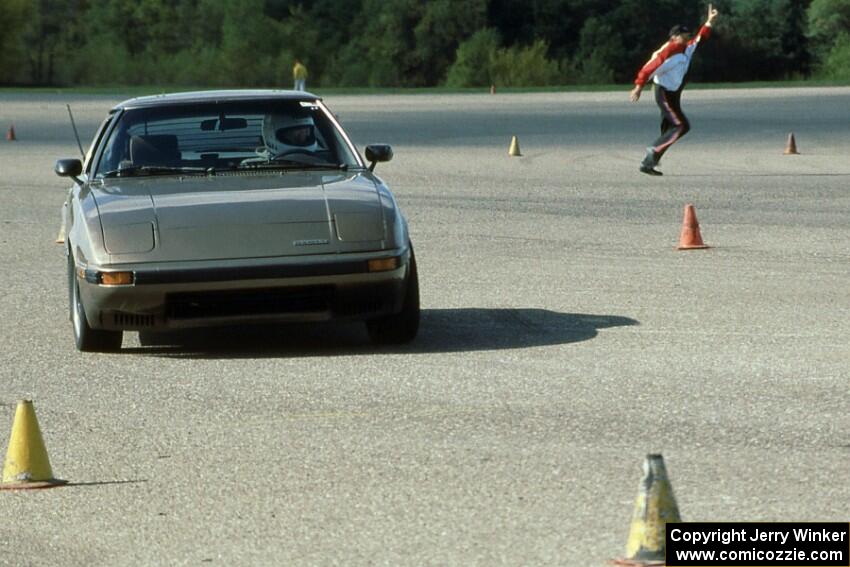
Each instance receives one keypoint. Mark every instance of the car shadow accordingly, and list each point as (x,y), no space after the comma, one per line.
(440,331)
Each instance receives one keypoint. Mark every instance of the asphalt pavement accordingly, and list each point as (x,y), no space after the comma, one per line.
(563,338)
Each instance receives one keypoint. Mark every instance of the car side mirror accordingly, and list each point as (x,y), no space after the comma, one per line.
(69,168)
(378,152)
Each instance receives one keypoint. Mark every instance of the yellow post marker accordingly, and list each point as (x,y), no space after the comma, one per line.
(27,464)
(654,508)
(514,149)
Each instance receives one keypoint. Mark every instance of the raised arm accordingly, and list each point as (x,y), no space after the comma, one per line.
(712,14)
(705,30)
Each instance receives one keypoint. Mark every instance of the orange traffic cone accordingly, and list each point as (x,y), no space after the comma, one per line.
(791,146)
(690,238)
(10,135)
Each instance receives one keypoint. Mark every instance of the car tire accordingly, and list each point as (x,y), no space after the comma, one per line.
(86,338)
(401,327)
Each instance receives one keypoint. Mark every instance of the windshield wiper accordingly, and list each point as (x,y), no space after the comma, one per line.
(135,170)
(287,163)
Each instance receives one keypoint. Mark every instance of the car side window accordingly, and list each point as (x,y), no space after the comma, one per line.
(87,160)
(115,150)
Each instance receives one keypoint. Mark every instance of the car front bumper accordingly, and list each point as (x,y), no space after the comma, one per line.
(203,294)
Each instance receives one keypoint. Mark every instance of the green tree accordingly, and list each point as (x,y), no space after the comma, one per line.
(836,64)
(128,35)
(826,21)
(45,34)
(403,42)
(525,66)
(756,25)
(754,40)
(249,45)
(11,48)
(794,40)
(473,61)
(320,31)
(557,22)
(600,48)
(381,55)
(439,31)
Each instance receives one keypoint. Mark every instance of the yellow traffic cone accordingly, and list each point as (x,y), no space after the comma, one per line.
(791,146)
(654,508)
(27,464)
(514,149)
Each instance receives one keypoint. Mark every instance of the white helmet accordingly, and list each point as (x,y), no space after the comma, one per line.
(283,133)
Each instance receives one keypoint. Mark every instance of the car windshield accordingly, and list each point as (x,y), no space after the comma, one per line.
(209,137)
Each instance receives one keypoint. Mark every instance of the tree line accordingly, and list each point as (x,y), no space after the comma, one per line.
(408,43)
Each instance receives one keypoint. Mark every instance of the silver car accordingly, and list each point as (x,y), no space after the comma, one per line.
(225,207)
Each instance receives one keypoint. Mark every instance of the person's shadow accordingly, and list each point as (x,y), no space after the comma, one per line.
(440,331)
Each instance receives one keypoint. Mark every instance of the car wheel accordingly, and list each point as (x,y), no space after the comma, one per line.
(400,327)
(86,338)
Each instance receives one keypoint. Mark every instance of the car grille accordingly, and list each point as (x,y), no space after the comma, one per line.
(132,320)
(254,302)
(279,301)
(350,307)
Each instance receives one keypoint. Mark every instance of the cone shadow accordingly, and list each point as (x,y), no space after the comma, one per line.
(39,486)
(104,483)
(440,331)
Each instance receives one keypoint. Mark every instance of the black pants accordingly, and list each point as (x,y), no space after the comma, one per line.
(674,123)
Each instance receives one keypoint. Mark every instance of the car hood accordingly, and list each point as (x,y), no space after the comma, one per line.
(250,215)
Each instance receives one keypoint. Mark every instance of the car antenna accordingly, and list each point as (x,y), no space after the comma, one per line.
(76,134)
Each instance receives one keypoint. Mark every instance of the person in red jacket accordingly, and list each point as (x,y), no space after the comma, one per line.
(667,69)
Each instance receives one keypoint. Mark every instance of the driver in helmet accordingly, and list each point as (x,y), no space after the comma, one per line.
(285,134)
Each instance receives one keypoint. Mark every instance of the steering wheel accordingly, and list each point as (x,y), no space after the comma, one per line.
(293,152)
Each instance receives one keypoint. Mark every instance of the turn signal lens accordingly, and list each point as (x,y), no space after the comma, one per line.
(116,278)
(383,264)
